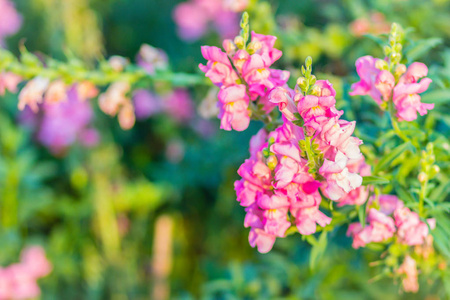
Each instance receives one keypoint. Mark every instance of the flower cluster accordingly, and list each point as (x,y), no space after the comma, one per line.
(392,84)
(63,123)
(244,76)
(193,17)
(391,219)
(312,150)
(19,281)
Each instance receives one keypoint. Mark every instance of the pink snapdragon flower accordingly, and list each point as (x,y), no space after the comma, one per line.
(411,230)
(10,20)
(406,93)
(243,77)
(152,59)
(19,280)
(146,104)
(194,17)
(178,104)
(64,123)
(233,107)
(409,270)
(380,228)
(9,82)
(381,86)
(33,93)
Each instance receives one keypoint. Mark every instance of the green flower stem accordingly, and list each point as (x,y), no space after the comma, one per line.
(422,194)
(76,73)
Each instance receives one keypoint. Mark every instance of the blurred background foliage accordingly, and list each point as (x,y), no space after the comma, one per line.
(96,211)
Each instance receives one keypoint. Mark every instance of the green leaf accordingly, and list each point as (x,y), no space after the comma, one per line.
(318,250)
(362,211)
(390,157)
(374,180)
(437,97)
(381,42)
(421,48)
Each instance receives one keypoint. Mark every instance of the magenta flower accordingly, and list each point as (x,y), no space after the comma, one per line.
(195,16)
(367,71)
(410,280)
(307,218)
(218,69)
(19,281)
(233,105)
(62,124)
(10,20)
(146,104)
(411,230)
(406,93)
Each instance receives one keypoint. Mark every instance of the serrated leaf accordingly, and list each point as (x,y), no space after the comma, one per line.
(374,180)
(390,157)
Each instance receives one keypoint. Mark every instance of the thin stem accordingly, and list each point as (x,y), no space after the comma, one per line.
(422,194)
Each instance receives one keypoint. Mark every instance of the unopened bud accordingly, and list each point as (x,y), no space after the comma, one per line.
(253,47)
(312,80)
(308,62)
(422,177)
(381,64)
(272,162)
(239,42)
(434,171)
(316,90)
(387,50)
(398,48)
(229,46)
(400,70)
(301,81)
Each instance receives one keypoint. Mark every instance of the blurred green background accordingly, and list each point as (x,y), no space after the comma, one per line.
(151,212)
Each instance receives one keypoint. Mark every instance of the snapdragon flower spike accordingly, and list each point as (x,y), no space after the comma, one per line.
(243,74)
(389,83)
(391,219)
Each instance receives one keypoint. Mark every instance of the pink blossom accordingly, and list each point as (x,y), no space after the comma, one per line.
(411,230)
(268,53)
(195,16)
(114,97)
(339,180)
(236,5)
(359,195)
(367,71)
(385,82)
(19,280)
(146,104)
(35,261)
(64,123)
(151,58)
(10,20)
(410,280)
(233,107)
(382,226)
(406,98)
(307,218)
(178,105)
(9,82)
(32,94)
(56,92)
(218,69)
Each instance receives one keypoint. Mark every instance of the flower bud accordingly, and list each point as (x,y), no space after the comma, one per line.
(422,177)
(381,64)
(253,47)
(272,162)
(239,42)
